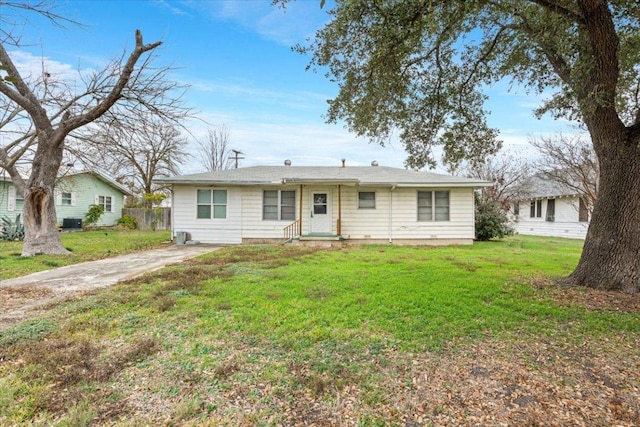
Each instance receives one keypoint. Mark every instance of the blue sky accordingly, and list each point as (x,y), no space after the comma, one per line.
(236,57)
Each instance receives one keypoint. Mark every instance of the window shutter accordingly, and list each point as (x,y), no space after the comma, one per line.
(58,197)
(11,206)
(96,200)
(73,198)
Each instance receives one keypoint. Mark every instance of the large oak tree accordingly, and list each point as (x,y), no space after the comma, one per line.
(420,67)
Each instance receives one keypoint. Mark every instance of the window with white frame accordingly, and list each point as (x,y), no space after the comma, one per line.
(211,204)
(366,199)
(433,206)
(106,202)
(66,198)
(15,200)
(279,205)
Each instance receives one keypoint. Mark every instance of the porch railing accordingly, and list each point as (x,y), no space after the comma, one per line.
(292,230)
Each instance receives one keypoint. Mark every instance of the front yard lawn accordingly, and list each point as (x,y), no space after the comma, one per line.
(360,336)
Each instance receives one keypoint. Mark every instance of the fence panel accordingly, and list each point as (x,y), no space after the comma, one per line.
(150,219)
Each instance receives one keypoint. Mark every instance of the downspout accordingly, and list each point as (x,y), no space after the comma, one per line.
(173,202)
(391,213)
(339,228)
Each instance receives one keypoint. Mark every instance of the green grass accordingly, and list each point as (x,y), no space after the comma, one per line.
(84,246)
(277,335)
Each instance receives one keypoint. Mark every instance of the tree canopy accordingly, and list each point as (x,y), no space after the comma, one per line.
(421,67)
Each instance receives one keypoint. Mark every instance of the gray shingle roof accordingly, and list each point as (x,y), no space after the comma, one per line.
(540,186)
(361,175)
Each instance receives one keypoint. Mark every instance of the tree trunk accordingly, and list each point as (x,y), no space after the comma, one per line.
(41,233)
(611,254)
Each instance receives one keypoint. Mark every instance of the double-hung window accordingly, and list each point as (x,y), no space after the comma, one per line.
(535,210)
(279,205)
(66,199)
(212,204)
(106,202)
(366,199)
(433,206)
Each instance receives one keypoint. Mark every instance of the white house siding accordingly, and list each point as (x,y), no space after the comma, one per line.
(184,206)
(390,220)
(565,222)
(253,226)
(396,212)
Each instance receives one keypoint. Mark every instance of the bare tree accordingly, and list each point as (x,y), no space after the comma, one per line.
(129,83)
(571,162)
(133,149)
(508,174)
(215,154)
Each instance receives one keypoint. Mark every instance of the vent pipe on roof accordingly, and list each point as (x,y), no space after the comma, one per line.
(374,163)
(287,162)
(343,162)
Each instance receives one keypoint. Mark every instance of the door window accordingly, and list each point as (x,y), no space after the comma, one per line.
(320,204)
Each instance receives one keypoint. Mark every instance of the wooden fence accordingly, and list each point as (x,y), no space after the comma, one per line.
(150,219)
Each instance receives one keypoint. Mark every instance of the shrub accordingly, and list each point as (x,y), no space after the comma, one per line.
(491,220)
(93,215)
(128,222)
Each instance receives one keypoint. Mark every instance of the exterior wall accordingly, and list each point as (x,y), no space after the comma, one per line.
(394,218)
(214,230)
(84,189)
(253,226)
(396,212)
(565,222)
(8,207)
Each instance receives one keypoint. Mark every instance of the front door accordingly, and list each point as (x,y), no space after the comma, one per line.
(320,220)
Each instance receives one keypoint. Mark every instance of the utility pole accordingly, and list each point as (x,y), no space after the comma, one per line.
(237,156)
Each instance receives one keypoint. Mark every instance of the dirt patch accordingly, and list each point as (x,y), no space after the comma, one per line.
(10,298)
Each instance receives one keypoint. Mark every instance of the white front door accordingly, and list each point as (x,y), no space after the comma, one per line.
(320,221)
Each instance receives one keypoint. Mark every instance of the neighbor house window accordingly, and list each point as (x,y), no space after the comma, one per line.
(551,210)
(583,211)
(106,202)
(433,206)
(535,210)
(65,199)
(366,199)
(279,205)
(516,208)
(212,204)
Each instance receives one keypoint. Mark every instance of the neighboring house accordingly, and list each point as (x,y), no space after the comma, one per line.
(551,209)
(266,204)
(74,192)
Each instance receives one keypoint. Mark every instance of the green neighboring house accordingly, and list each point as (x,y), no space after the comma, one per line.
(74,192)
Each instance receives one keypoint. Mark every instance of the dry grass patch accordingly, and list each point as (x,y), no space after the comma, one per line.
(17,296)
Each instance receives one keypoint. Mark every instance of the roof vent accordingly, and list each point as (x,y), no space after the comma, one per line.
(343,162)
(287,162)
(374,163)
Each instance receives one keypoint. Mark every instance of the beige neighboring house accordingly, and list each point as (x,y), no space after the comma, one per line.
(348,204)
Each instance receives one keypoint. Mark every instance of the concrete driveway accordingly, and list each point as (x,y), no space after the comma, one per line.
(22,297)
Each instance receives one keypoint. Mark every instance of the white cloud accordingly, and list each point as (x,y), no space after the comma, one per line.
(33,67)
(287,26)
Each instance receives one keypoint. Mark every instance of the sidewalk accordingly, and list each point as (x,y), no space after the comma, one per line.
(23,295)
